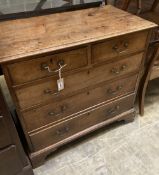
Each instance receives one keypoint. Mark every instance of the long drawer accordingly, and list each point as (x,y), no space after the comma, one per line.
(53,112)
(122,45)
(25,71)
(64,130)
(47,90)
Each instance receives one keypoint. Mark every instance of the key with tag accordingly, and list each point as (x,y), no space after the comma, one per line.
(60,81)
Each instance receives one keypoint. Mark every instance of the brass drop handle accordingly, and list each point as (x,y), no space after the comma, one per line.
(117,49)
(123,67)
(45,66)
(51,92)
(113,110)
(114,92)
(51,113)
(62,130)
(61,64)
(115,71)
(126,44)
(118,71)
(48,91)
(62,110)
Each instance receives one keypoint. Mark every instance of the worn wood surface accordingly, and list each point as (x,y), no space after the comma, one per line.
(73,59)
(60,110)
(68,128)
(102,47)
(74,83)
(37,35)
(122,45)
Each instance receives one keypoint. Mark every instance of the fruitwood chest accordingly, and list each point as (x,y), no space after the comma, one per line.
(72,73)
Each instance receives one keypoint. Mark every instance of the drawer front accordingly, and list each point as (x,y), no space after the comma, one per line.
(5,138)
(56,111)
(57,133)
(30,70)
(47,90)
(119,46)
(10,164)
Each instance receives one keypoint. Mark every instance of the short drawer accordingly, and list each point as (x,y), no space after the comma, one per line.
(59,110)
(5,139)
(33,69)
(41,92)
(47,90)
(64,130)
(119,46)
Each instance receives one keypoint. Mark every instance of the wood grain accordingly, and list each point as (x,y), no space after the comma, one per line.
(73,59)
(119,46)
(60,110)
(103,49)
(72,126)
(35,94)
(27,37)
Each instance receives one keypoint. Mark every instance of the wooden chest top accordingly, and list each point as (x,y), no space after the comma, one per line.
(32,36)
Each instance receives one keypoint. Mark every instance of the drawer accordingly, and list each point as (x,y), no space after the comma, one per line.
(10,164)
(33,69)
(119,46)
(47,90)
(5,138)
(61,109)
(64,130)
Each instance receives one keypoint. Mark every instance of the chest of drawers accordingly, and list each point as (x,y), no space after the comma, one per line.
(102,51)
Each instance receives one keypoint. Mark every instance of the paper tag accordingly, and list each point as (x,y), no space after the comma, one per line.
(60,84)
